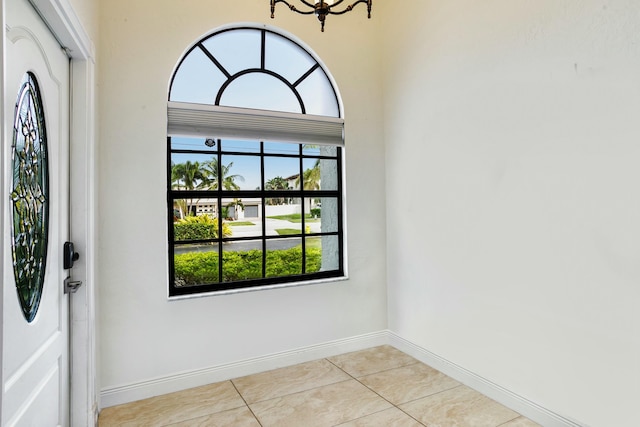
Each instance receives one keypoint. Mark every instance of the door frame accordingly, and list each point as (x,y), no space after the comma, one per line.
(64,23)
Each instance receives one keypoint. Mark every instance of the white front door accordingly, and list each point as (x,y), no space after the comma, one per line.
(35,225)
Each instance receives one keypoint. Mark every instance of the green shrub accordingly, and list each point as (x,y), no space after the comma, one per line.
(195,268)
(199,228)
(316,212)
(314,260)
(284,262)
(241,265)
(198,268)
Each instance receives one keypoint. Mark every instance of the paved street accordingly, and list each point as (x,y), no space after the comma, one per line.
(255,231)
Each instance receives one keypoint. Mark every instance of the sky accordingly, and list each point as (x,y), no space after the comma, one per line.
(198,80)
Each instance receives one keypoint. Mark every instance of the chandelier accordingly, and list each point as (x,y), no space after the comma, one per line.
(322,8)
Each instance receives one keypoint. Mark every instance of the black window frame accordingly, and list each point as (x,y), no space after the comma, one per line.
(262,194)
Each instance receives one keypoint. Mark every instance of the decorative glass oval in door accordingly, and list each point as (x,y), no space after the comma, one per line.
(29,197)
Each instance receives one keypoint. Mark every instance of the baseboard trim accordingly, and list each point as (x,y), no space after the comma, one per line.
(154,387)
(141,390)
(529,409)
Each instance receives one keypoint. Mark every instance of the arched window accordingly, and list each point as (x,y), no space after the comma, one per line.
(254,165)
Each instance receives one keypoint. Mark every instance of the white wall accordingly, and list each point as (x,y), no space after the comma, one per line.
(513,199)
(87,11)
(142,334)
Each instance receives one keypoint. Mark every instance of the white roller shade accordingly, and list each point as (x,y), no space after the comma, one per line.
(210,121)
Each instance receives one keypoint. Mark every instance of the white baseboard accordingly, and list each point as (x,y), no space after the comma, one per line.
(131,392)
(509,399)
(154,387)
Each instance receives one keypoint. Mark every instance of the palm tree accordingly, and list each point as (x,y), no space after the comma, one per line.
(187,176)
(181,207)
(220,177)
(236,203)
(190,176)
(311,177)
(277,183)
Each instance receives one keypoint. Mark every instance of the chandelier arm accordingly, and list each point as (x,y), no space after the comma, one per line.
(335,3)
(321,9)
(291,7)
(311,5)
(350,7)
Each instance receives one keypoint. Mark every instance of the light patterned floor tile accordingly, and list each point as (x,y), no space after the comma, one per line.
(392,417)
(401,385)
(520,422)
(460,406)
(324,406)
(372,360)
(173,407)
(293,379)
(240,417)
(320,393)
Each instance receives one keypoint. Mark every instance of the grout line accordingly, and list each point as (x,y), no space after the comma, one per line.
(354,378)
(194,418)
(376,372)
(391,369)
(409,401)
(245,402)
(378,394)
(327,359)
(432,394)
(387,400)
(145,417)
(507,422)
(373,413)
(412,417)
(349,378)
(204,415)
(290,393)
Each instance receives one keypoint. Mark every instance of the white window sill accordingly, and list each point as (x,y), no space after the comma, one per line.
(257,288)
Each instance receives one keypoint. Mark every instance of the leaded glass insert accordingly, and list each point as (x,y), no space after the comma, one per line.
(29,197)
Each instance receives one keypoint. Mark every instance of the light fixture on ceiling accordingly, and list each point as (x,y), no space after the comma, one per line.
(322,8)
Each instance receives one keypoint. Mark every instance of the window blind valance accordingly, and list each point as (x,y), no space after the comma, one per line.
(210,121)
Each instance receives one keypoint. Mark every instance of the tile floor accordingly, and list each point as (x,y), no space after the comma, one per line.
(380,386)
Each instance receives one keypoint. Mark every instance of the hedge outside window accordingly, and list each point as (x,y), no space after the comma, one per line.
(254,165)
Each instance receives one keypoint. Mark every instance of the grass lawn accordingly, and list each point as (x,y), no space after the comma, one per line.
(239,223)
(287,231)
(312,242)
(295,218)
